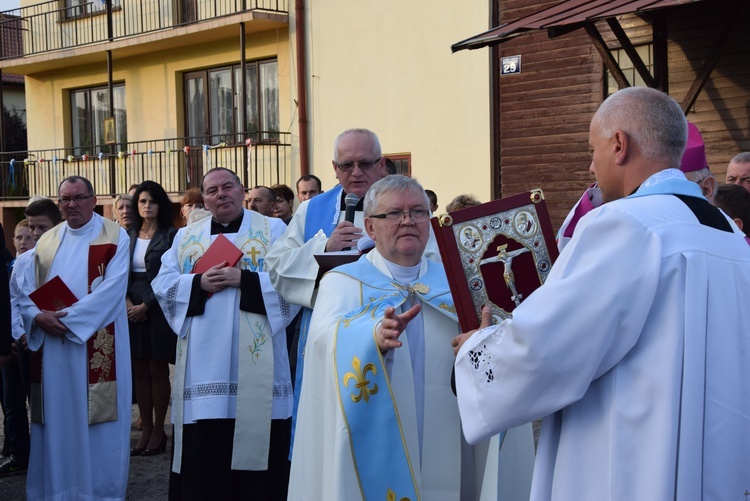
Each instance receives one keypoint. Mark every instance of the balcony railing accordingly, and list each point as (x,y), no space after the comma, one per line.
(176,164)
(47,27)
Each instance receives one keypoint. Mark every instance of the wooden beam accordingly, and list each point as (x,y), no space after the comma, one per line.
(629,49)
(660,39)
(609,60)
(708,66)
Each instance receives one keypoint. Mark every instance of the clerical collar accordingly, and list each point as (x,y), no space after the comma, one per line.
(404,275)
(360,205)
(232,227)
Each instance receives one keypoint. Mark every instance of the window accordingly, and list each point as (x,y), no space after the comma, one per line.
(88,109)
(211,98)
(646,52)
(80,8)
(402,161)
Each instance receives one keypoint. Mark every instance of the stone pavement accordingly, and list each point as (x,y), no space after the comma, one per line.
(148,479)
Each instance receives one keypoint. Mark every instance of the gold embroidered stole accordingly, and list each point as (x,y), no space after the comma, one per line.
(102,384)
(252,432)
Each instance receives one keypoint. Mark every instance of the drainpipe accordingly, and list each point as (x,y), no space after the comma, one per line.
(299,28)
(2,115)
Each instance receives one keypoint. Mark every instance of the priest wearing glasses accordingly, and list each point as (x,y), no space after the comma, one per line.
(377,417)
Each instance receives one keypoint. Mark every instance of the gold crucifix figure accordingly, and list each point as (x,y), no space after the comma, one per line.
(506,258)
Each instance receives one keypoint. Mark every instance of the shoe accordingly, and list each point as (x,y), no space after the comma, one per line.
(13,466)
(154,452)
(6,449)
(137,451)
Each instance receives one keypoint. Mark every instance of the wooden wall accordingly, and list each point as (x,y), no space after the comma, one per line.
(544,112)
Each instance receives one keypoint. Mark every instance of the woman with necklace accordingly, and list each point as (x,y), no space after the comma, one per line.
(152,343)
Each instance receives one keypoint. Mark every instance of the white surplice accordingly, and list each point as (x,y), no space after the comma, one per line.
(212,367)
(16,280)
(635,351)
(322,463)
(70,459)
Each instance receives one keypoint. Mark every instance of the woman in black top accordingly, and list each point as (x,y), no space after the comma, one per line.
(152,342)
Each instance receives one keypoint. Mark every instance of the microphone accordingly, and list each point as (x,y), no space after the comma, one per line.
(350,201)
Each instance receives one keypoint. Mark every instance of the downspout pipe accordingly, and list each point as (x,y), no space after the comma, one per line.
(299,28)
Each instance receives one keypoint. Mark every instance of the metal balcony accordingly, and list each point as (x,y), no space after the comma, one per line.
(46,27)
(176,164)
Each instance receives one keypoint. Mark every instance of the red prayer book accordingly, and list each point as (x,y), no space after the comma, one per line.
(219,251)
(53,295)
(495,254)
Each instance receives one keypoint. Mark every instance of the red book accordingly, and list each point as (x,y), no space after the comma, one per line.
(53,295)
(495,254)
(219,251)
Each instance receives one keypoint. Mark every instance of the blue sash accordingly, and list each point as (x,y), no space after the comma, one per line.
(321,213)
(381,459)
(668,182)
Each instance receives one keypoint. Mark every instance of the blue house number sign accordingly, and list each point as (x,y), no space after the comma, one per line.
(511,65)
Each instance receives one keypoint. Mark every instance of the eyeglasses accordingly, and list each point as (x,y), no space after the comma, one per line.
(399,216)
(362,164)
(77,199)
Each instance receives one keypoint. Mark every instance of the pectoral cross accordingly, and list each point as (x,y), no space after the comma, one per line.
(506,258)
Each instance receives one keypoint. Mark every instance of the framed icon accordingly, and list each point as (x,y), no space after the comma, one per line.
(110,137)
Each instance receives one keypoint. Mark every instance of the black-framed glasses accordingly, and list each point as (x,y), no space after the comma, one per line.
(77,199)
(362,164)
(417,215)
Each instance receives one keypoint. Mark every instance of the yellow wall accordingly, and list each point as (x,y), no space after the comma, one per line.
(153,86)
(387,66)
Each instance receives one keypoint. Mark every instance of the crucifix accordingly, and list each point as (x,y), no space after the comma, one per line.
(505,257)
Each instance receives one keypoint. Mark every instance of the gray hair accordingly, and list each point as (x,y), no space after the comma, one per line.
(124,196)
(741,158)
(373,138)
(651,118)
(76,179)
(395,182)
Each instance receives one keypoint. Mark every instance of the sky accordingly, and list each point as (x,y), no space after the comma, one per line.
(10,4)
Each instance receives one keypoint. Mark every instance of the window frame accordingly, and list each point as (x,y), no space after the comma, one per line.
(119,113)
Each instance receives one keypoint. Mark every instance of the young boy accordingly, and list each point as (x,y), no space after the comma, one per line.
(41,216)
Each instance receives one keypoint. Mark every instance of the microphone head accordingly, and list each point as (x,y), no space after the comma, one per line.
(351,199)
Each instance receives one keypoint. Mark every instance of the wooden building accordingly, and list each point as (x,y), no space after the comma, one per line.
(574,53)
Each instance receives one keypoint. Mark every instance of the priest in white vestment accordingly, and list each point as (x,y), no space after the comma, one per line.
(635,350)
(232,398)
(320,226)
(81,400)
(377,417)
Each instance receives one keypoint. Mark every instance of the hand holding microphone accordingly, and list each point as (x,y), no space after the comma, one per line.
(345,235)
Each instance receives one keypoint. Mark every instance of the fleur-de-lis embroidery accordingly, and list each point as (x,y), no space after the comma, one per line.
(360,381)
(391,496)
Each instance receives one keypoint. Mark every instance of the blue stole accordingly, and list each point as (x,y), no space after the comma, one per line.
(321,213)
(379,451)
(668,182)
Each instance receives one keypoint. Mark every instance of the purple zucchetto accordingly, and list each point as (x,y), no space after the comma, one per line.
(694,157)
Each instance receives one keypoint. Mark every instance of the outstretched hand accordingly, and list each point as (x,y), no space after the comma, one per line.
(393,325)
(459,340)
